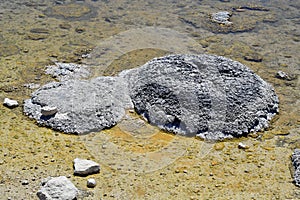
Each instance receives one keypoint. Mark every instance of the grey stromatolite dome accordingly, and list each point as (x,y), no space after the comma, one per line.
(82,106)
(205,95)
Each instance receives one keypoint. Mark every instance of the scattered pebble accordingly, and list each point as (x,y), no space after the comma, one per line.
(24,182)
(243,146)
(10,103)
(282,75)
(80,30)
(91,183)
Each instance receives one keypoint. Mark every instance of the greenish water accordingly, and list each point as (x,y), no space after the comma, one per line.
(110,36)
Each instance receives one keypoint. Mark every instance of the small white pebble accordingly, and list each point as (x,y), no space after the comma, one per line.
(91,182)
(243,146)
(24,182)
(10,103)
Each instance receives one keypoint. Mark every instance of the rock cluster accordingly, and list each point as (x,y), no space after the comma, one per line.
(296,164)
(205,95)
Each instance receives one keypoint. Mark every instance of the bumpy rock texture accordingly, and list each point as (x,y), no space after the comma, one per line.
(57,188)
(82,106)
(296,164)
(209,96)
(67,71)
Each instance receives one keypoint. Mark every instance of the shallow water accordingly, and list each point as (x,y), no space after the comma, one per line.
(139,161)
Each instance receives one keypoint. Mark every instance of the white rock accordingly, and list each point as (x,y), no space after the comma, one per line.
(85,167)
(282,75)
(243,146)
(48,110)
(57,188)
(10,103)
(91,182)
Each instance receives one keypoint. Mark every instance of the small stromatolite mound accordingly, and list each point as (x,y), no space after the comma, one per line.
(79,106)
(296,165)
(209,96)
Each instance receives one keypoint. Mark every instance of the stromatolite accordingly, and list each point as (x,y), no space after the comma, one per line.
(205,95)
(82,106)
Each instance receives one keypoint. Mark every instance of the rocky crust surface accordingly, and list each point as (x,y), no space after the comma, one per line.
(296,164)
(209,96)
(57,188)
(81,106)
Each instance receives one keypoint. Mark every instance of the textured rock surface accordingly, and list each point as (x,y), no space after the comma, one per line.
(67,71)
(296,164)
(57,188)
(85,167)
(82,106)
(209,96)
(205,95)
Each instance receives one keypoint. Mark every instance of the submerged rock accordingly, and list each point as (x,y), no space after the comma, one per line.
(71,11)
(209,96)
(296,164)
(221,17)
(57,188)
